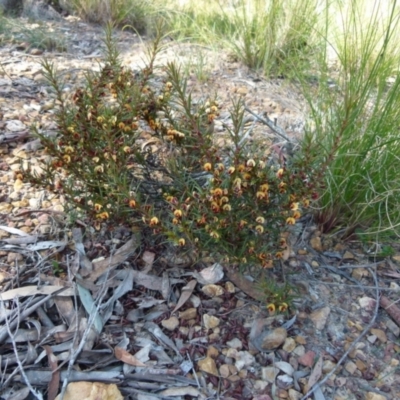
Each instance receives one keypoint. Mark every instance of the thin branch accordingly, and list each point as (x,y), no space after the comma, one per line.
(353,345)
(38,395)
(271,124)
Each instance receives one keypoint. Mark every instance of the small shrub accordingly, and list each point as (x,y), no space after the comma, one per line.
(231,201)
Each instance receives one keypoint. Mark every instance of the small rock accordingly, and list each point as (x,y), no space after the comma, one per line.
(380,334)
(208,365)
(284,381)
(375,396)
(11,257)
(190,313)
(316,244)
(213,290)
(294,394)
(320,317)
(359,273)
(299,350)
(224,370)
(394,286)
(210,322)
(15,125)
(269,374)
(348,255)
(367,302)
(372,339)
(302,252)
(350,367)
(18,185)
(328,366)
(44,229)
(212,352)
(235,343)
(393,327)
(300,339)
(274,339)
(361,365)
(314,264)
(307,359)
(244,359)
(36,52)
(260,385)
(289,345)
(170,323)
(91,391)
(230,287)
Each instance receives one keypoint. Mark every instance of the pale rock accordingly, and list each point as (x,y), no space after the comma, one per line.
(91,391)
(320,317)
(244,359)
(285,367)
(307,359)
(171,323)
(184,331)
(380,334)
(213,290)
(210,322)
(224,370)
(269,374)
(274,339)
(12,257)
(375,396)
(208,365)
(314,264)
(230,287)
(212,352)
(350,367)
(328,366)
(58,208)
(289,345)
(190,313)
(18,185)
(372,339)
(235,343)
(260,385)
(284,381)
(299,350)
(348,255)
(34,203)
(15,125)
(195,300)
(367,302)
(316,244)
(14,196)
(231,353)
(395,329)
(294,394)
(394,286)
(359,273)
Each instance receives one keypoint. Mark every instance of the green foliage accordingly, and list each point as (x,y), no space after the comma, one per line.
(278,297)
(231,201)
(354,121)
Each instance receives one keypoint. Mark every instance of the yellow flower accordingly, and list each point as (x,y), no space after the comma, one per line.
(261,164)
(69,149)
(132,203)
(178,213)
(154,221)
(181,242)
(67,158)
(224,199)
(260,220)
(279,255)
(231,170)
(271,308)
(215,207)
(217,192)
(103,215)
(168,86)
(296,214)
(241,168)
(290,221)
(264,187)
(280,173)
(97,159)
(99,169)
(175,221)
(227,207)
(306,203)
(98,207)
(127,149)
(259,229)
(251,163)
(294,206)
(283,307)
(261,195)
(121,125)
(207,166)
(237,183)
(220,167)
(214,235)
(282,242)
(242,223)
(246,176)
(282,187)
